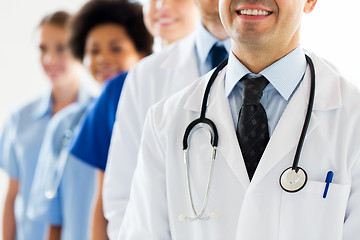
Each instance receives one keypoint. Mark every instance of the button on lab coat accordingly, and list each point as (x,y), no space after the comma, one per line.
(259,209)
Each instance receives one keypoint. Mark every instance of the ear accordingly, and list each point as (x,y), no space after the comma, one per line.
(309,6)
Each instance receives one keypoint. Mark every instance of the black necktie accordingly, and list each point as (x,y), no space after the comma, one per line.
(252,128)
(217,54)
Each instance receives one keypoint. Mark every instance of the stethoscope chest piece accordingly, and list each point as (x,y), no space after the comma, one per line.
(292,181)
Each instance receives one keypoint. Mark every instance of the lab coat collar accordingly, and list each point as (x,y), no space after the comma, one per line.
(327,90)
(183,49)
(218,110)
(286,135)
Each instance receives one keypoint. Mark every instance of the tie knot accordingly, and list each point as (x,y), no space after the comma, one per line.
(253,89)
(217,54)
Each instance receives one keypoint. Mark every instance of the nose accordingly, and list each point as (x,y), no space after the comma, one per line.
(49,58)
(158,4)
(103,57)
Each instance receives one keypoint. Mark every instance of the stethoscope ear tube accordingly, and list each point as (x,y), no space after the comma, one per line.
(202,118)
(208,86)
(308,115)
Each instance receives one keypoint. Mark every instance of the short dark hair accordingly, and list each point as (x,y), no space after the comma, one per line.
(58,18)
(122,12)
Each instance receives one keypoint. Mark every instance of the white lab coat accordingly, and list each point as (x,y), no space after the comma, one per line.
(156,77)
(259,209)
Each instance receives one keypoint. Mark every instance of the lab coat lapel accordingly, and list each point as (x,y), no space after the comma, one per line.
(183,63)
(286,135)
(218,110)
(228,143)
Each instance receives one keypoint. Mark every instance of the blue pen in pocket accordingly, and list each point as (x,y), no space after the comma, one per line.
(328,180)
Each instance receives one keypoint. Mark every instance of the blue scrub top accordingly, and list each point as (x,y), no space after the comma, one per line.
(93,141)
(71,207)
(20,145)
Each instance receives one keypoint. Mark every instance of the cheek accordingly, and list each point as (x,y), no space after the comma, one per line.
(149,24)
(188,12)
(42,61)
(149,15)
(63,62)
(224,13)
(126,60)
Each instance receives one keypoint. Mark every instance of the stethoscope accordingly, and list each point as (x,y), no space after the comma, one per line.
(55,174)
(292,179)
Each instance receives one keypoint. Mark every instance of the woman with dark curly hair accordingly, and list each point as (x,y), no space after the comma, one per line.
(109,37)
(169,21)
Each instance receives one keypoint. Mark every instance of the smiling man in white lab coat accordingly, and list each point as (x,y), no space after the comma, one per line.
(243,205)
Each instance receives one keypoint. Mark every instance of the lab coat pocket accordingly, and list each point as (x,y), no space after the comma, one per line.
(307,215)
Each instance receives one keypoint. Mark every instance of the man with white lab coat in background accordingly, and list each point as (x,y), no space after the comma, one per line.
(242,204)
(151,80)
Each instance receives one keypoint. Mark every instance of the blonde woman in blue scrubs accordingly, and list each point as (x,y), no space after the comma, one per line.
(108,37)
(24,130)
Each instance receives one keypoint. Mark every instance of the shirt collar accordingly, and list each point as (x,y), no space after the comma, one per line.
(204,42)
(85,94)
(45,106)
(284,75)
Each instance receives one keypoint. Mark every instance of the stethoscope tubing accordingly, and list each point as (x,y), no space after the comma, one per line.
(295,165)
(209,85)
(214,139)
(202,118)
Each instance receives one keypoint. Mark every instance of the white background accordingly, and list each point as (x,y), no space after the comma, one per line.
(21,77)
(332,31)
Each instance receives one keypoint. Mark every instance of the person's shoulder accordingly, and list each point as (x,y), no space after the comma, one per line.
(178,100)
(336,83)
(177,48)
(113,86)
(330,69)
(115,81)
(30,107)
(21,116)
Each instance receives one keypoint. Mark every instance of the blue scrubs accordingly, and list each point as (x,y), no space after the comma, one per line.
(92,143)
(20,145)
(68,201)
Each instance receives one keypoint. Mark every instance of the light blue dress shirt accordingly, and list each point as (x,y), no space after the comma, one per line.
(284,77)
(21,142)
(203,44)
(71,206)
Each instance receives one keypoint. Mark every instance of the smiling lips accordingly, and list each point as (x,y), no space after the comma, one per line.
(165,21)
(253,12)
(54,71)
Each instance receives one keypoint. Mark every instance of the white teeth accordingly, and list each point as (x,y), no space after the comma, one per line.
(254,12)
(165,20)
